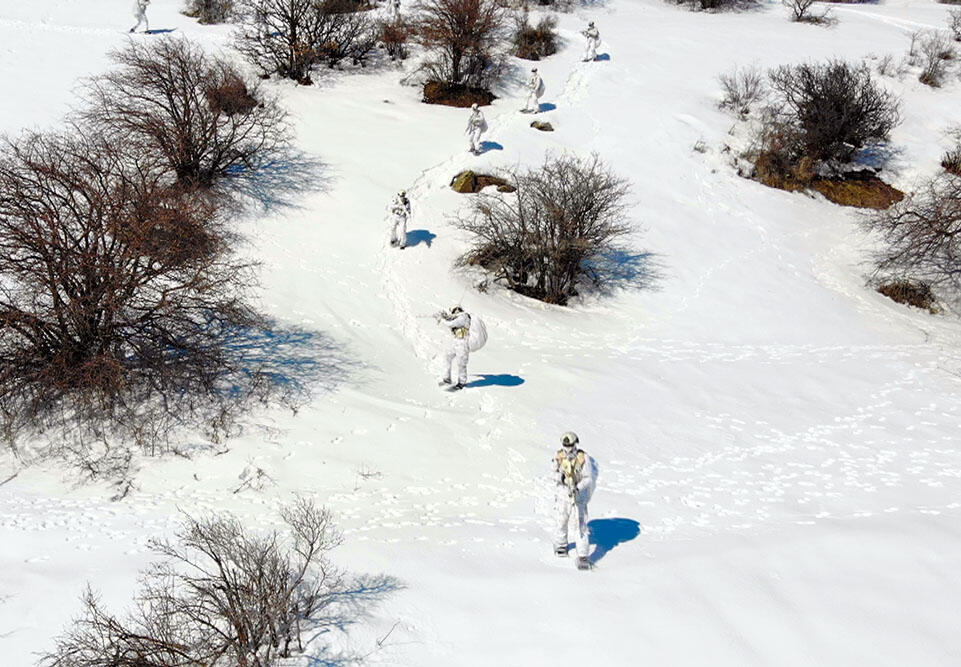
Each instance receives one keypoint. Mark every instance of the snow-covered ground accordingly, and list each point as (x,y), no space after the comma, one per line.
(779,447)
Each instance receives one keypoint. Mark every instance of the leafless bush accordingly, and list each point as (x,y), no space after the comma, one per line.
(225,597)
(393,36)
(743,88)
(933,52)
(800,11)
(553,232)
(922,234)
(122,309)
(954,24)
(167,98)
(951,160)
(836,108)
(290,37)
(210,11)
(535,42)
(463,36)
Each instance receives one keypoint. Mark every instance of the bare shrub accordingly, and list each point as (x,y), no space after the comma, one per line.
(801,11)
(743,88)
(951,160)
(393,36)
(118,298)
(835,108)
(210,11)
(225,597)
(535,42)
(553,232)
(290,37)
(922,234)
(933,52)
(463,36)
(198,114)
(954,24)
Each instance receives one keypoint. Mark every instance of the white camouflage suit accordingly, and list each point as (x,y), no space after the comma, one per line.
(475,128)
(140,13)
(535,88)
(459,350)
(582,468)
(399,212)
(593,41)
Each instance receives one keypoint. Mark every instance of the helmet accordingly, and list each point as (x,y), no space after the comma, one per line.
(456,310)
(590,24)
(403,193)
(569,439)
(474,106)
(533,69)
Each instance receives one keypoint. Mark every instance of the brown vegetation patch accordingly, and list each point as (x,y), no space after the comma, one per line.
(867,191)
(911,293)
(542,126)
(470,182)
(951,161)
(454,95)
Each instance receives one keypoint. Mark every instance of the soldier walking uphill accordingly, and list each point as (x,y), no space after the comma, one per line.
(575,477)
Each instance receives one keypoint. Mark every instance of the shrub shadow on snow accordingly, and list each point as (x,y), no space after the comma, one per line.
(280,179)
(490,146)
(353,602)
(295,362)
(625,269)
(502,380)
(608,533)
(877,155)
(418,236)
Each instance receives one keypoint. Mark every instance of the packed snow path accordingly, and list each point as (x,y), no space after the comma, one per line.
(778,446)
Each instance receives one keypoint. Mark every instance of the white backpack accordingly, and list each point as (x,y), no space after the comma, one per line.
(477,334)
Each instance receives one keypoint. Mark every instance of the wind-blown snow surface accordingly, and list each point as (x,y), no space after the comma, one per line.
(786,439)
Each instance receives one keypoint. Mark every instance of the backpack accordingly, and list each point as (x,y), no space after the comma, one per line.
(477,335)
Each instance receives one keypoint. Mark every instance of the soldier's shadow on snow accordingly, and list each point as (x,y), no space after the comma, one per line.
(159,31)
(603,57)
(501,380)
(545,106)
(489,146)
(352,601)
(418,236)
(282,178)
(608,533)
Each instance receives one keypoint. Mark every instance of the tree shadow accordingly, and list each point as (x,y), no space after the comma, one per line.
(285,362)
(502,380)
(278,179)
(489,146)
(623,268)
(418,236)
(546,106)
(349,603)
(608,533)
(877,155)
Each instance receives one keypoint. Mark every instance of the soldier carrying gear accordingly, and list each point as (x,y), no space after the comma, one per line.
(140,13)
(593,41)
(575,476)
(459,323)
(399,212)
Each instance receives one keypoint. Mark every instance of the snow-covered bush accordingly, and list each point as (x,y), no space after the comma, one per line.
(800,11)
(954,24)
(743,88)
(922,234)
(463,37)
(197,114)
(554,231)
(224,596)
(290,37)
(535,42)
(834,108)
(210,11)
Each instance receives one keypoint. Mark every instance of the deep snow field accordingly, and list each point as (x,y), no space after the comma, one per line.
(787,441)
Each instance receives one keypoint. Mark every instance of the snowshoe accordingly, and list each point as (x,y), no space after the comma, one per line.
(583,564)
(560,551)
(456,387)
